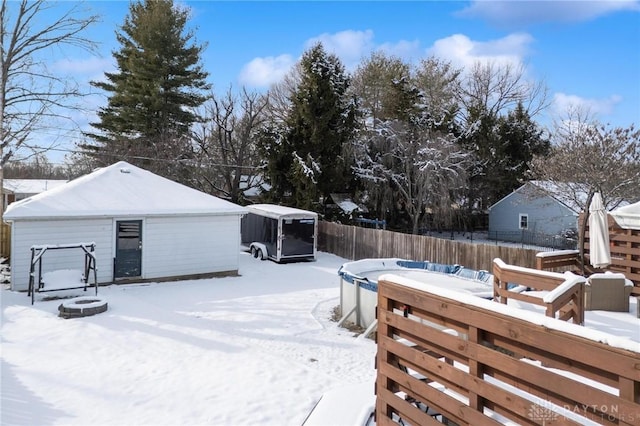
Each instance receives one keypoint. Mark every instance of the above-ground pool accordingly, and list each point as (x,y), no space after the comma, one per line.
(359,283)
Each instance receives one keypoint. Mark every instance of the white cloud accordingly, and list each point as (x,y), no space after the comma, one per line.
(518,13)
(464,52)
(262,72)
(562,103)
(402,49)
(85,70)
(89,66)
(350,45)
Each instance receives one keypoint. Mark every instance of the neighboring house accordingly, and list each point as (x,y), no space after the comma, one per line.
(532,208)
(145,227)
(342,207)
(19,189)
(253,186)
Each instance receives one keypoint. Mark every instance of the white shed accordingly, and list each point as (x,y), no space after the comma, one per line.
(145,227)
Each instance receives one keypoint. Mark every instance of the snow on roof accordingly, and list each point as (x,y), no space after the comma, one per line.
(274,210)
(253,186)
(559,192)
(31,186)
(628,217)
(565,193)
(345,203)
(120,190)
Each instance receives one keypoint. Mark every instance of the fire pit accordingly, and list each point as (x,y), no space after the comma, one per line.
(82,307)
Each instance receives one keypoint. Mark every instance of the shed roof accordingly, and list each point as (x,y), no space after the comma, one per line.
(346,203)
(120,190)
(628,217)
(276,211)
(30,186)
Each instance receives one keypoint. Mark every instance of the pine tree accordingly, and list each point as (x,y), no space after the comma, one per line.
(521,139)
(152,97)
(503,147)
(308,160)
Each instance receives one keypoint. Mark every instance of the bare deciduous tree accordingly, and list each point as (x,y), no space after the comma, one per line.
(280,95)
(591,158)
(225,145)
(424,167)
(496,89)
(31,96)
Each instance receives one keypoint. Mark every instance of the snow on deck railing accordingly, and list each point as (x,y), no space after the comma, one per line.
(556,253)
(564,288)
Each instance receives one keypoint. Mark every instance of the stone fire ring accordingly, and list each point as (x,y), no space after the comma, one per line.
(83,306)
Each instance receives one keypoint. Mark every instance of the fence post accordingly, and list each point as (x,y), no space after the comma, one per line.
(353,244)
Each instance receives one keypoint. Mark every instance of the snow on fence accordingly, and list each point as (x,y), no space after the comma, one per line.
(470,361)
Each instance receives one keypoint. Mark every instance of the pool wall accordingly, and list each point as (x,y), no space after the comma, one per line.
(359,294)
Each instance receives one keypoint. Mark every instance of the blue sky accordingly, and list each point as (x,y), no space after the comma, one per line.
(588,53)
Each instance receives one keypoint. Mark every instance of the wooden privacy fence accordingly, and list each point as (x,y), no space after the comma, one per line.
(625,252)
(625,255)
(355,243)
(5,240)
(467,362)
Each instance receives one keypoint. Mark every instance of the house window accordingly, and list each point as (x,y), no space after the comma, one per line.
(524,221)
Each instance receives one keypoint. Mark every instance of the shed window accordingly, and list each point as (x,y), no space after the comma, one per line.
(524,221)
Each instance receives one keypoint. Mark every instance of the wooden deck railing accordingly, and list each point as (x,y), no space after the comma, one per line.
(556,260)
(480,363)
(562,293)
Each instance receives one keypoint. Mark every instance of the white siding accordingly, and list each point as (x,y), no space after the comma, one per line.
(175,246)
(28,233)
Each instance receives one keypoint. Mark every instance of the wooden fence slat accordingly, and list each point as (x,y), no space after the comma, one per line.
(5,240)
(355,243)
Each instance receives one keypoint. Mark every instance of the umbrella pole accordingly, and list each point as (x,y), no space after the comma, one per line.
(582,237)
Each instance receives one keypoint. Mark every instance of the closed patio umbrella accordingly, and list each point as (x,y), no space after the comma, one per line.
(599,253)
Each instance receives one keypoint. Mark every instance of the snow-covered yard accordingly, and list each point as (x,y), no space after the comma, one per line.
(258,349)
(254,349)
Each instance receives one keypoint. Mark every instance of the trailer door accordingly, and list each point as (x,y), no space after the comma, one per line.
(298,238)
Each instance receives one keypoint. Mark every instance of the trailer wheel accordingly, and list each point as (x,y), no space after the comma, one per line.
(259,255)
(254,252)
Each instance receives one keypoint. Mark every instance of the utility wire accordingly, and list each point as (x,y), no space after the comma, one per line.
(184,161)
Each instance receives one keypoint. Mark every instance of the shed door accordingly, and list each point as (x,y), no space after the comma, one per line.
(128,261)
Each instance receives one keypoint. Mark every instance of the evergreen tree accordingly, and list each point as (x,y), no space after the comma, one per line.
(521,139)
(309,160)
(152,97)
(503,147)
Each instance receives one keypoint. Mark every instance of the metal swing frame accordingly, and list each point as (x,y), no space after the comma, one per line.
(37,253)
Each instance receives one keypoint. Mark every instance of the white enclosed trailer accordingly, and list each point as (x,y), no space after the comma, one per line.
(280,233)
